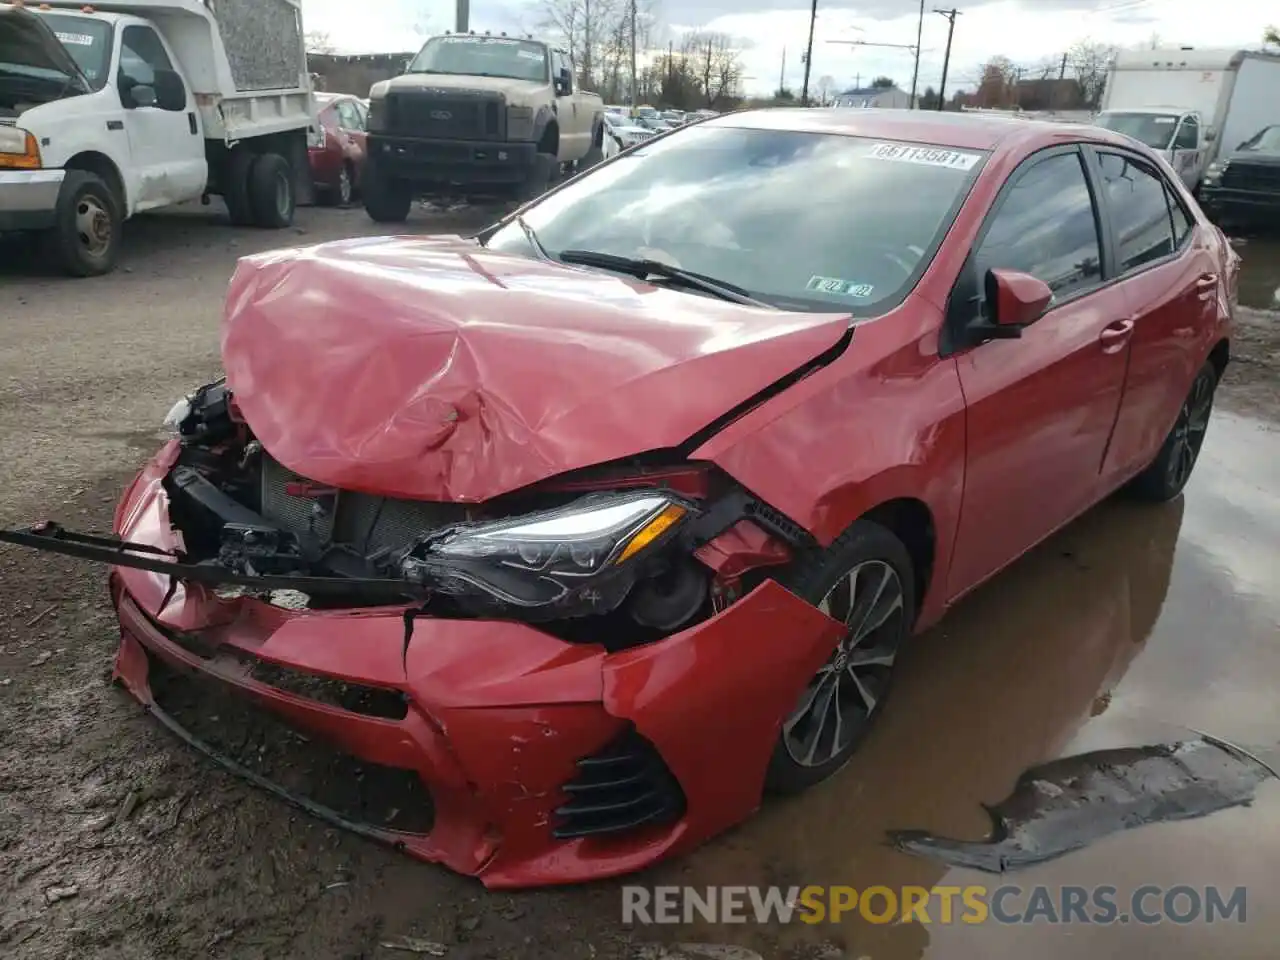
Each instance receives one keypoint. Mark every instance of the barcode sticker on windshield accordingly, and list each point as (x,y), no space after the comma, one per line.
(76,39)
(928,156)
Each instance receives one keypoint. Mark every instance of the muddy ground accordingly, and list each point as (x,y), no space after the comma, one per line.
(118,841)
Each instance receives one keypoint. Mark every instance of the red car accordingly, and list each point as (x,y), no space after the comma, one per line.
(336,165)
(607,522)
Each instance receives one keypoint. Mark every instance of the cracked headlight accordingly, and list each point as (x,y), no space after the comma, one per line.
(575,560)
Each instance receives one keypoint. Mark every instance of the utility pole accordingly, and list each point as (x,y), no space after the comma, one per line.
(915,73)
(946,60)
(671,71)
(634,90)
(782,74)
(1062,71)
(462,21)
(808,56)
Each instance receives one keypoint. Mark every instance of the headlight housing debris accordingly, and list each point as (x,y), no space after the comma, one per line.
(576,560)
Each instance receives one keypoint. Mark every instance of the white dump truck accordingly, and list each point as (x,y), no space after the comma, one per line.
(1188,103)
(109,109)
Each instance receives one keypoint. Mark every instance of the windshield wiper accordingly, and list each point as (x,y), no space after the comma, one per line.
(644,269)
(532,238)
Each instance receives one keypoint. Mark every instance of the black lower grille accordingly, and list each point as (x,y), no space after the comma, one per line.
(1252,176)
(302,766)
(622,788)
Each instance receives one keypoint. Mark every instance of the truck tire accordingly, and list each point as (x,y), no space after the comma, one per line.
(85,239)
(541,174)
(235,192)
(386,201)
(595,154)
(271,193)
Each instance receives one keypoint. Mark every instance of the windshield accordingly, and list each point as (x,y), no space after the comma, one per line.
(470,56)
(1153,129)
(1266,140)
(88,41)
(802,221)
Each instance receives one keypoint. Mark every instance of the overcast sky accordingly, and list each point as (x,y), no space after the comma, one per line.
(1026,31)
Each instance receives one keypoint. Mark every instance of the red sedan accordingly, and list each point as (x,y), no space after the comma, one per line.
(615,518)
(336,165)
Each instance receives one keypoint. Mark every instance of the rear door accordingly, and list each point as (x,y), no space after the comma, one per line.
(1041,408)
(1167,271)
(164,140)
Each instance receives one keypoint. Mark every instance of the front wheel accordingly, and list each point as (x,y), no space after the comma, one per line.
(385,200)
(85,238)
(1168,474)
(864,579)
(540,177)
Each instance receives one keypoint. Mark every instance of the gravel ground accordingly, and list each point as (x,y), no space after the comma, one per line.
(115,840)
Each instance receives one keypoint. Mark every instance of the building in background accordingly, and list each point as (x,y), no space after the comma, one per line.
(355,73)
(866,97)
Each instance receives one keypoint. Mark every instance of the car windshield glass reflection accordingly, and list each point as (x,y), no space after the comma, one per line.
(483,57)
(801,221)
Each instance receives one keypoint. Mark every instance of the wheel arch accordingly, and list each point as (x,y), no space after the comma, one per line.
(100,165)
(911,520)
(1220,356)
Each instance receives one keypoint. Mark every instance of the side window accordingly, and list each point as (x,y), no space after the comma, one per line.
(141,55)
(348,116)
(1139,204)
(1046,226)
(1188,135)
(329,118)
(1182,221)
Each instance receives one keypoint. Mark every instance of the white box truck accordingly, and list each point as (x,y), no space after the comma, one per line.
(108,109)
(1187,103)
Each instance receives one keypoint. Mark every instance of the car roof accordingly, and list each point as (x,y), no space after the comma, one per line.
(962,130)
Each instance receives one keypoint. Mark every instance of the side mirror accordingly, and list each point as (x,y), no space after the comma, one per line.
(1210,136)
(171,92)
(1014,300)
(141,95)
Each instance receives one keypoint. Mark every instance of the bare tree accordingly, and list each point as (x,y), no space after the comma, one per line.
(1090,62)
(318,42)
(996,87)
(1272,35)
(716,63)
(826,87)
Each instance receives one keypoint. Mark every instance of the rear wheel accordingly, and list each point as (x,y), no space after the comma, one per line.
(1169,472)
(864,579)
(271,194)
(235,192)
(85,238)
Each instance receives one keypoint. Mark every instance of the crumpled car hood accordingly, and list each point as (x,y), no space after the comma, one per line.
(429,368)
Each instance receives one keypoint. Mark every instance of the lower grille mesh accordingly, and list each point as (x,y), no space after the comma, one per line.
(367,522)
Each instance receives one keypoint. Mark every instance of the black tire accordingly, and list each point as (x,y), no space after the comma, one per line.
(1168,474)
(594,156)
(541,175)
(235,192)
(85,239)
(271,192)
(386,201)
(840,578)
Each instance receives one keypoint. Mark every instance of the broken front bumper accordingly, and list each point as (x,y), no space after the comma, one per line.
(519,737)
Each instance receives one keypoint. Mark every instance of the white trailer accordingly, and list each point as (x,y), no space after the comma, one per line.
(1188,103)
(116,107)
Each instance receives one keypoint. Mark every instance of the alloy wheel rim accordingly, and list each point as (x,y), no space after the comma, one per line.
(844,695)
(1189,431)
(282,196)
(93,225)
(344,186)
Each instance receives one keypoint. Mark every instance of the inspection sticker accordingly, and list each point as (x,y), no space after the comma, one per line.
(76,39)
(928,156)
(842,288)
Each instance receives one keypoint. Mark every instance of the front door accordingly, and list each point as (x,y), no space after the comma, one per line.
(165,144)
(1040,409)
(573,139)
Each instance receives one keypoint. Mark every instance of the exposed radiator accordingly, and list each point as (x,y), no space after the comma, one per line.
(366,522)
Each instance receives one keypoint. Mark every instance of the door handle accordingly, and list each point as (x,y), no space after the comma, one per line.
(1115,335)
(1207,282)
